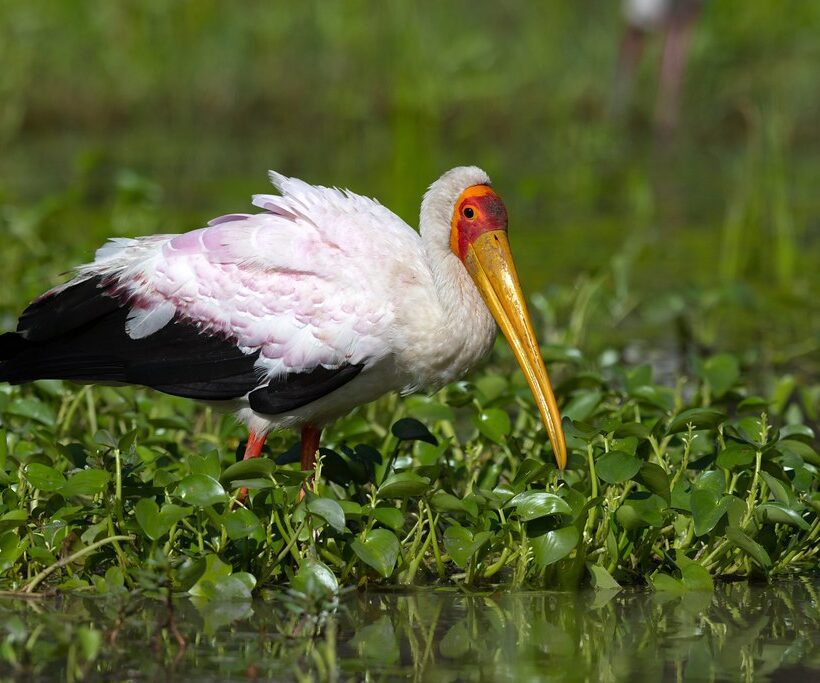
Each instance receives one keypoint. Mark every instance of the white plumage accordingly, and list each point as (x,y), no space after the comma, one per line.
(323,281)
(322,277)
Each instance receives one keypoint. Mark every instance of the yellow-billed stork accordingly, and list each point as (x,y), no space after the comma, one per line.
(292,317)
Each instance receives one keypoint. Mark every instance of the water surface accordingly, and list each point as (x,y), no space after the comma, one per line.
(740,632)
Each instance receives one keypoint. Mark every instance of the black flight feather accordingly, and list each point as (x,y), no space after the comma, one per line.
(298,389)
(79,333)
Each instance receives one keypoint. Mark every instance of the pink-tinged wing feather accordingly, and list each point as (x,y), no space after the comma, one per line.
(310,282)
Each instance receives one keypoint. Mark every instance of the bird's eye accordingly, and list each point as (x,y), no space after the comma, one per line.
(469,212)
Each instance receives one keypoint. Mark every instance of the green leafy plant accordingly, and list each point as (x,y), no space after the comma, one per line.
(663,486)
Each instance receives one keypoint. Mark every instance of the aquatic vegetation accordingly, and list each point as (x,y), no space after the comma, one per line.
(669,486)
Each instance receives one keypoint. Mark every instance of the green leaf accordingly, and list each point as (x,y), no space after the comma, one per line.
(214,570)
(351,509)
(390,517)
(441,501)
(200,490)
(601,578)
(156,523)
(128,440)
(682,495)
(13,519)
(554,545)
(694,576)
(44,478)
(628,444)
(493,423)
(655,396)
(637,377)
(427,408)
(90,641)
(353,425)
(528,471)
(379,549)
(315,580)
(637,430)
(616,467)
(799,432)
(756,404)
(229,588)
(172,513)
(242,523)
(330,511)
(33,409)
(655,478)
(86,483)
(462,543)
(779,490)
(736,455)
(640,510)
(534,504)
(410,429)
(782,514)
(712,480)
(104,438)
(251,468)
(756,551)
(491,387)
(208,464)
(783,389)
(800,448)
(721,371)
(582,405)
(708,509)
(10,549)
(147,513)
(701,418)
(404,485)
(665,583)
(561,353)
(748,429)
(429,455)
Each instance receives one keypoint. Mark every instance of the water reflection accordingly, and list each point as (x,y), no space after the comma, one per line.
(739,632)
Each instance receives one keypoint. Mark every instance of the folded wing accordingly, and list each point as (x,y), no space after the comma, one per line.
(282,307)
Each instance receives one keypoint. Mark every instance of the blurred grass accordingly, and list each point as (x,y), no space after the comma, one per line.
(144,116)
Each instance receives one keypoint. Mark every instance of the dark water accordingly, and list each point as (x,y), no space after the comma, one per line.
(740,632)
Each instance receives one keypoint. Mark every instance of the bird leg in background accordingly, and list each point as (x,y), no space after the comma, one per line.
(310,445)
(629,57)
(252,450)
(675,54)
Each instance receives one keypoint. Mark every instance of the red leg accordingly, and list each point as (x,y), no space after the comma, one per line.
(252,450)
(310,444)
(254,446)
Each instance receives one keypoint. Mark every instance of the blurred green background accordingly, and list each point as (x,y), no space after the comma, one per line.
(141,116)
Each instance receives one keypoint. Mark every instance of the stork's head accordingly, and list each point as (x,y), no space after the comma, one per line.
(477,218)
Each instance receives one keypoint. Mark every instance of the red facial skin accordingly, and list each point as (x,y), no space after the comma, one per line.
(488,213)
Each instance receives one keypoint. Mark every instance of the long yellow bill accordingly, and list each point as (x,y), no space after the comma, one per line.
(489,262)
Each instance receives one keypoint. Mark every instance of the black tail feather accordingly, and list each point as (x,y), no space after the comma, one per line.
(79,333)
(65,309)
(11,343)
